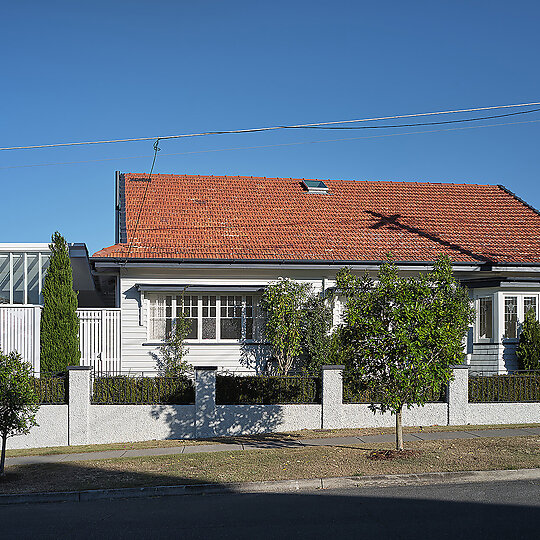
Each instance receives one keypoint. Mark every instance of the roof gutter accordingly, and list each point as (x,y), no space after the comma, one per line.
(304,264)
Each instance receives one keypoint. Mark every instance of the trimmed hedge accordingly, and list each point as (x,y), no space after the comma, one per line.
(519,387)
(50,389)
(267,390)
(126,390)
(356,391)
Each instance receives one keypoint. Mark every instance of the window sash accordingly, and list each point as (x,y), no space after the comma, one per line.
(217,317)
(530,302)
(485,315)
(510,317)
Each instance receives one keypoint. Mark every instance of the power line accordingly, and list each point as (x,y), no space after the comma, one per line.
(272,128)
(421,124)
(256,147)
(156,150)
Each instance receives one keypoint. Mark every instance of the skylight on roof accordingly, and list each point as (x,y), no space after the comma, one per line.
(315,186)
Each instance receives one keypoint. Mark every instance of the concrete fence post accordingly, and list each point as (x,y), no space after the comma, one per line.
(205,401)
(458,396)
(78,404)
(332,396)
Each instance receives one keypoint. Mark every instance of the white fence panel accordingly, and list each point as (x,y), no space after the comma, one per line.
(19,331)
(99,335)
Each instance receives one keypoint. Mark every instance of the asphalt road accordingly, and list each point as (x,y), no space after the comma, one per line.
(509,510)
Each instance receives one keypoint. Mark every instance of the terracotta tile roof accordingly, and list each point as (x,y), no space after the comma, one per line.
(231,217)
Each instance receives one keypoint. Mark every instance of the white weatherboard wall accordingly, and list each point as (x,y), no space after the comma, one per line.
(83,423)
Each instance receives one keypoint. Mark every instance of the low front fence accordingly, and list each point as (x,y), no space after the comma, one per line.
(519,386)
(51,388)
(120,408)
(267,390)
(131,389)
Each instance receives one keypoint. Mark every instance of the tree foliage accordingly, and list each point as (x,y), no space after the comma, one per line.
(298,325)
(283,303)
(528,351)
(401,334)
(316,337)
(59,321)
(18,401)
(171,360)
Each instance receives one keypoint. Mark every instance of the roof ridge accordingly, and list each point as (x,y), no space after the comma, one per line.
(250,177)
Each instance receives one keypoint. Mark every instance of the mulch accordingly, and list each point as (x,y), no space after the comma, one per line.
(386,455)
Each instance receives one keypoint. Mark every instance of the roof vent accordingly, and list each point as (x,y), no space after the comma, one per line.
(315,186)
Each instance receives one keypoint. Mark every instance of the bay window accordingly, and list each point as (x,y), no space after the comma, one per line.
(499,315)
(213,317)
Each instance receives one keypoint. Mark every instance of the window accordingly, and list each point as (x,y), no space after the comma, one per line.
(189,305)
(510,317)
(21,277)
(212,317)
(231,317)
(515,308)
(209,317)
(486,317)
(529,302)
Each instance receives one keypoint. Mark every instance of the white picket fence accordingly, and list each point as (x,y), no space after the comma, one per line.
(99,335)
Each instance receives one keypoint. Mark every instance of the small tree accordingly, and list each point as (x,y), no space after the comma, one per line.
(59,321)
(316,338)
(402,334)
(18,402)
(283,302)
(528,351)
(171,360)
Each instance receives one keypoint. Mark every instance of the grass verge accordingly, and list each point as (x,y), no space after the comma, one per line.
(274,464)
(292,435)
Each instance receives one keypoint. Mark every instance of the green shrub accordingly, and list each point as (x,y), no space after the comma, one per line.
(265,390)
(143,390)
(357,391)
(50,390)
(528,351)
(507,388)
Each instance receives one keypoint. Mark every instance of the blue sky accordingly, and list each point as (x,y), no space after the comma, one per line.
(74,71)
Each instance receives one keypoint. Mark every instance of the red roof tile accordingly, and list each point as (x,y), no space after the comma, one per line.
(231,217)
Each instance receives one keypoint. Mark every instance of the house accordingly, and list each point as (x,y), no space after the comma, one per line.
(208,245)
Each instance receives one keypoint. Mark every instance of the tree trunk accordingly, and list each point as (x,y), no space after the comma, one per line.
(3,458)
(399,429)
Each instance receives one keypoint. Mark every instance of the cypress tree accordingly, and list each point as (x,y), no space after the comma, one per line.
(59,321)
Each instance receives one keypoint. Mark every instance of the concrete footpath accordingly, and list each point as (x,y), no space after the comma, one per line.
(265,444)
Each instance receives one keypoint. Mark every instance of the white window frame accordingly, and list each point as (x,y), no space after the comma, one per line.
(256,316)
(478,338)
